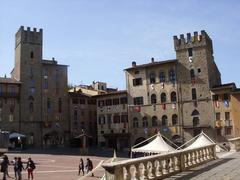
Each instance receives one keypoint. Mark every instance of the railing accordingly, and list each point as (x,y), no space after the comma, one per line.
(159,166)
(9,95)
(234,144)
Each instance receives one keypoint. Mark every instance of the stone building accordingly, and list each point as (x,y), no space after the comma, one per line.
(9,104)
(83,112)
(112,115)
(43,105)
(174,96)
(226,102)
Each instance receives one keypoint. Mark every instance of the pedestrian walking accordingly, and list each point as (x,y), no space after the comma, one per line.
(19,168)
(15,167)
(4,167)
(30,168)
(81,167)
(89,166)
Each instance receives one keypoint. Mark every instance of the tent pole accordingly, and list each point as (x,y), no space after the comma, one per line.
(144,141)
(188,141)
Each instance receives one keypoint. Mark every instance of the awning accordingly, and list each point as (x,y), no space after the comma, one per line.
(16,135)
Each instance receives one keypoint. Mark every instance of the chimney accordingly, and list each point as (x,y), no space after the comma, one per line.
(152,60)
(134,64)
(53,59)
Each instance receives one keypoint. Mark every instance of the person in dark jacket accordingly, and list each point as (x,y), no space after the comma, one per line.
(4,167)
(89,166)
(19,168)
(14,162)
(81,167)
(30,167)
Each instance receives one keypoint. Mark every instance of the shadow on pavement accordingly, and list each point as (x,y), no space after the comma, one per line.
(94,151)
(199,170)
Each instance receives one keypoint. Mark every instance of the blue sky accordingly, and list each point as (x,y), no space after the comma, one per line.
(99,38)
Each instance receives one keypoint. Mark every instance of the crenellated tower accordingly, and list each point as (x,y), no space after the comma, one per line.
(28,70)
(197,73)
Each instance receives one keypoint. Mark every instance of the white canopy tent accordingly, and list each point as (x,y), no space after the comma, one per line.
(156,146)
(201,140)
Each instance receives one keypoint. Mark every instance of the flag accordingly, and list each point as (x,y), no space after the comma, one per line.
(216,104)
(137,108)
(226,103)
(174,105)
(164,106)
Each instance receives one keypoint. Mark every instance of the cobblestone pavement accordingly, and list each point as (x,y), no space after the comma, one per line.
(227,167)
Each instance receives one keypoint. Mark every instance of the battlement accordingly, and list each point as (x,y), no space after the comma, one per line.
(28,35)
(192,40)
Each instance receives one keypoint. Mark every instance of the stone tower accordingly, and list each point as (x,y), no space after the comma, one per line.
(28,70)
(196,74)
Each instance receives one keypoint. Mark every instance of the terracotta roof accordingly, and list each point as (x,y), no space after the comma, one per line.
(224,86)
(112,93)
(152,64)
(9,80)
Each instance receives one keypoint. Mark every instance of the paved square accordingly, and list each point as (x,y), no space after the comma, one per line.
(57,167)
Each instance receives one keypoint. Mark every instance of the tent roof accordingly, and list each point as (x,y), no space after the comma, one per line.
(202,140)
(158,145)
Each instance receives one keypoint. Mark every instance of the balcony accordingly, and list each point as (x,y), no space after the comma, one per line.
(9,95)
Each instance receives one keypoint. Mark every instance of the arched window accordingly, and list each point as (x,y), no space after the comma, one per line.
(192,74)
(195,121)
(164,120)
(152,78)
(162,77)
(163,98)
(135,122)
(173,96)
(174,119)
(145,122)
(172,75)
(153,99)
(154,121)
(194,94)
(31,55)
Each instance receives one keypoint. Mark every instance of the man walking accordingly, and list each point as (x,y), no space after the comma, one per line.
(81,167)
(30,167)
(89,166)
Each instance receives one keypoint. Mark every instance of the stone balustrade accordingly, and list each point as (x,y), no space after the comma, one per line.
(234,144)
(159,166)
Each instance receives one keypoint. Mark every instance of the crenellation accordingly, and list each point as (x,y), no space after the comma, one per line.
(192,40)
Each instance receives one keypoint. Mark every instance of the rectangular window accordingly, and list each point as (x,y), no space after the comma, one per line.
(116,101)
(101,103)
(45,84)
(116,119)
(228,130)
(82,101)
(108,102)
(124,118)
(218,116)
(59,105)
(227,116)
(194,94)
(190,52)
(137,81)
(48,104)
(138,100)
(109,118)
(75,100)
(123,100)
(1,89)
